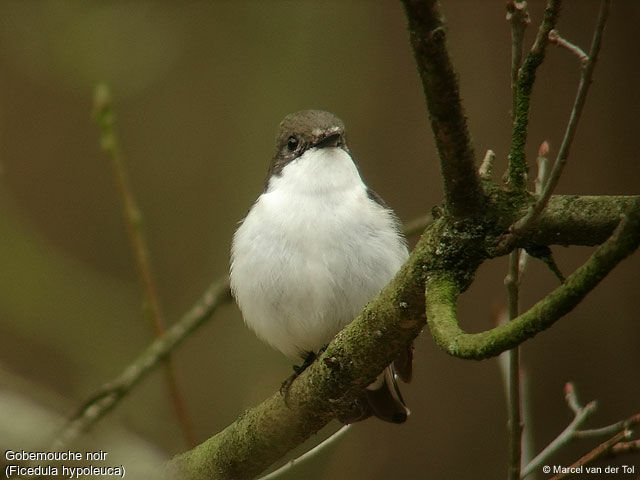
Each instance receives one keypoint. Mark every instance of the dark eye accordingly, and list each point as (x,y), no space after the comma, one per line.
(292,143)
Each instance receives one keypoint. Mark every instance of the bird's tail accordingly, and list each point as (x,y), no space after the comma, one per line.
(383,398)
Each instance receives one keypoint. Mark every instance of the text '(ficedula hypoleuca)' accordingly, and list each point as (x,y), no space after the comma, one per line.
(315,247)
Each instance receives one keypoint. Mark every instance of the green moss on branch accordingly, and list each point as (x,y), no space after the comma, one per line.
(442,290)
(463,193)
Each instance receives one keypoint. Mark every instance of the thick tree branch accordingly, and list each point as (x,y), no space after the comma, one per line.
(443,288)
(388,323)
(577,220)
(352,360)
(463,193)
(567,220)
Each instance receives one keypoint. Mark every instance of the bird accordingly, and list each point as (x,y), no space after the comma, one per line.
(314,248)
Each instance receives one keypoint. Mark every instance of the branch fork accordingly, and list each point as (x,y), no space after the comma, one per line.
(620,431)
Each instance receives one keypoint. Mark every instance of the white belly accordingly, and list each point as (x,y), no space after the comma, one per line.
(305,263)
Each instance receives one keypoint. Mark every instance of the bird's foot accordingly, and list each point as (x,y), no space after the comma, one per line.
(309,358)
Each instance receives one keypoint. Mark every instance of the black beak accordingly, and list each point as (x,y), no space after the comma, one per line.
(333,140)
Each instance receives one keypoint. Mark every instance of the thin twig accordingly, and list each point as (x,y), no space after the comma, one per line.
(308,454)
(554,37)
(105,118)
(626,447)
(517,266)
(517,169)
(581,414)
(485,172)
(417,225)
(543,165)
(115,390)
(518,17)
(563,153)
(571,397)
(572,432)
(610,429)
(542,162)
(512,282)
(598,452)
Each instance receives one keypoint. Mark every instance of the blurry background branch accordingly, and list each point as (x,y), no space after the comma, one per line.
(105,118)
(573,432)
(112,392)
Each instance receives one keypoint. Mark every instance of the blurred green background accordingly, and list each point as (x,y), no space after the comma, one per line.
(199,90)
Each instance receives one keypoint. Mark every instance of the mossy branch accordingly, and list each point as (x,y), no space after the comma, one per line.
(111,393)
(517,170)
(442,291)
(463,193)
(567,220)
(327,388)
(588,64)
(443,261)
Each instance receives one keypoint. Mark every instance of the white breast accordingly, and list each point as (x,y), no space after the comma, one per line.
(312,251)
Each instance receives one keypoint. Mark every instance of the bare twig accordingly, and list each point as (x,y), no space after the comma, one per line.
(112,392)
(516,399)
(517,170)
(543,165)
(571,397)
(563,153)
(512,282)
(518,17)
(542,162)
(526,410)
(486,167)
(308,454)
(581,414)
(626,447)
(600,451)
(572,432)
(417,225)
(105,118)
(554,37)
